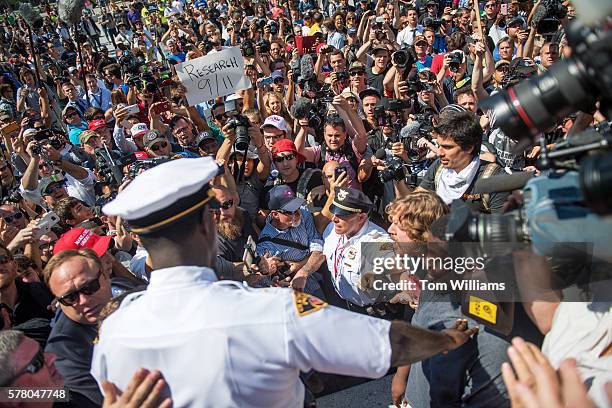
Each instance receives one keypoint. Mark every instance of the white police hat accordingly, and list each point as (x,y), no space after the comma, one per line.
(165,193)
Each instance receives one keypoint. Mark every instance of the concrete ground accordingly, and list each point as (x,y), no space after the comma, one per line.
(372,394)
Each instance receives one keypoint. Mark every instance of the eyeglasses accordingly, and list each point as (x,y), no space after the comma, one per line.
(57,186)
(43,165)
(13,217)
(226,205)
(280,159)
(158,146)
(69,115)
(88,289)
(37,362)
(357,73)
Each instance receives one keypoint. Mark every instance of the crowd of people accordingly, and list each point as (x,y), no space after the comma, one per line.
(361,125)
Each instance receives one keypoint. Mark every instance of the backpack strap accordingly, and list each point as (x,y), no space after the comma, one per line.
(283,242)
(486,173)
(437,176)
(347,151)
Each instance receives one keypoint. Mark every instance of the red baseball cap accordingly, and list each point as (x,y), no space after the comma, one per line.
(78,238)
(286,145)
(97,124)
(141,155)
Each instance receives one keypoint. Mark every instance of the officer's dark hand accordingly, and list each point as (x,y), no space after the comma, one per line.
(144,390)
(459,334)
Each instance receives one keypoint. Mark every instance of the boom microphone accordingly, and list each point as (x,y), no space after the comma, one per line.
(306,67)
(504,182)
(380,154)
(70,11)
(410,130)
(30,16)
(301,108)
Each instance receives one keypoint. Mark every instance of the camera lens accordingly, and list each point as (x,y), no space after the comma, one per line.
(596,180)
(540,102)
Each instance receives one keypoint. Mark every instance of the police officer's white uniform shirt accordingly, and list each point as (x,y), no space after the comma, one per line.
(344,260)
(220,344)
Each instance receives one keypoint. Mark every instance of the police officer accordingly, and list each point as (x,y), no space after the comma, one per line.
(350,241)
(220,343)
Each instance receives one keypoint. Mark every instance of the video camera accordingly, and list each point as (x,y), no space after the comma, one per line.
(110,165)
(240,124)
(547,17)
(145,164)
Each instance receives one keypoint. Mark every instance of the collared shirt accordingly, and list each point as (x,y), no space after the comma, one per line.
(406,36)
(346,258)
(225,344)
(100,99)
(305,233)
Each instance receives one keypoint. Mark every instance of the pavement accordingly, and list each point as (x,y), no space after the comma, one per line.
(372,394)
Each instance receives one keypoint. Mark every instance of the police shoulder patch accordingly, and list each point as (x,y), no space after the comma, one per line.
(306,304)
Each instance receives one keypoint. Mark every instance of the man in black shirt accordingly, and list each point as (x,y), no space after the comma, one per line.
(376,73)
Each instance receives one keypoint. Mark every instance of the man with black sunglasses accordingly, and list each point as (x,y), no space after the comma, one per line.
(82,289)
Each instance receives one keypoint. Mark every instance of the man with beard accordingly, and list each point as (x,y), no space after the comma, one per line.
(183,131)
(234,225)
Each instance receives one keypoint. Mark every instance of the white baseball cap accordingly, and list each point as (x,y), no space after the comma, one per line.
(276,121)
(139,129)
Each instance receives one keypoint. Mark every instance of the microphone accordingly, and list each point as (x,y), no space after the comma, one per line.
(30,16)
(306,67)
(410,130)
(380,154)
(70,11)
(301,108)
(504,182)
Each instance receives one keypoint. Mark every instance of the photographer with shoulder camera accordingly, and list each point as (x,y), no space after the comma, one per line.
(453,175)
(78,180)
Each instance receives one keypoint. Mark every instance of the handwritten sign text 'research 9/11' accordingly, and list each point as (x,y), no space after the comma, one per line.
(217,74)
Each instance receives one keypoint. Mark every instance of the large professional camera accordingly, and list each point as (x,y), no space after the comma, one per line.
(456,61)
(240,124)
(516,72)
(247,48)
(110,165)
(575,84)
(145,164)
(403,58)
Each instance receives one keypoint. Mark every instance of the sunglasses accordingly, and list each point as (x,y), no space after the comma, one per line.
(279,81)
(88,289)
(158,146)
(356,73)
(226,205)
(15,216)
(69,115)
(57,186)
(280,159)
(34,366)
(43,165)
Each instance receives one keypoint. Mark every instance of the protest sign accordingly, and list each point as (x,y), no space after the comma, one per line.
(217,74)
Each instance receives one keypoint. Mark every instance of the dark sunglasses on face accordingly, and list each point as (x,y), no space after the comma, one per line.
(16,216)
(37,362)
(158,146)
(357,73)
(280,159)
(69,115)
(226,205)
(88,289)
(53,187)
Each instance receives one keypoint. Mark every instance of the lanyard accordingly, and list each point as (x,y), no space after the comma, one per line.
(338,255)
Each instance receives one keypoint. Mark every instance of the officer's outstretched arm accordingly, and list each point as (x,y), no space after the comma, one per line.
(410,344)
